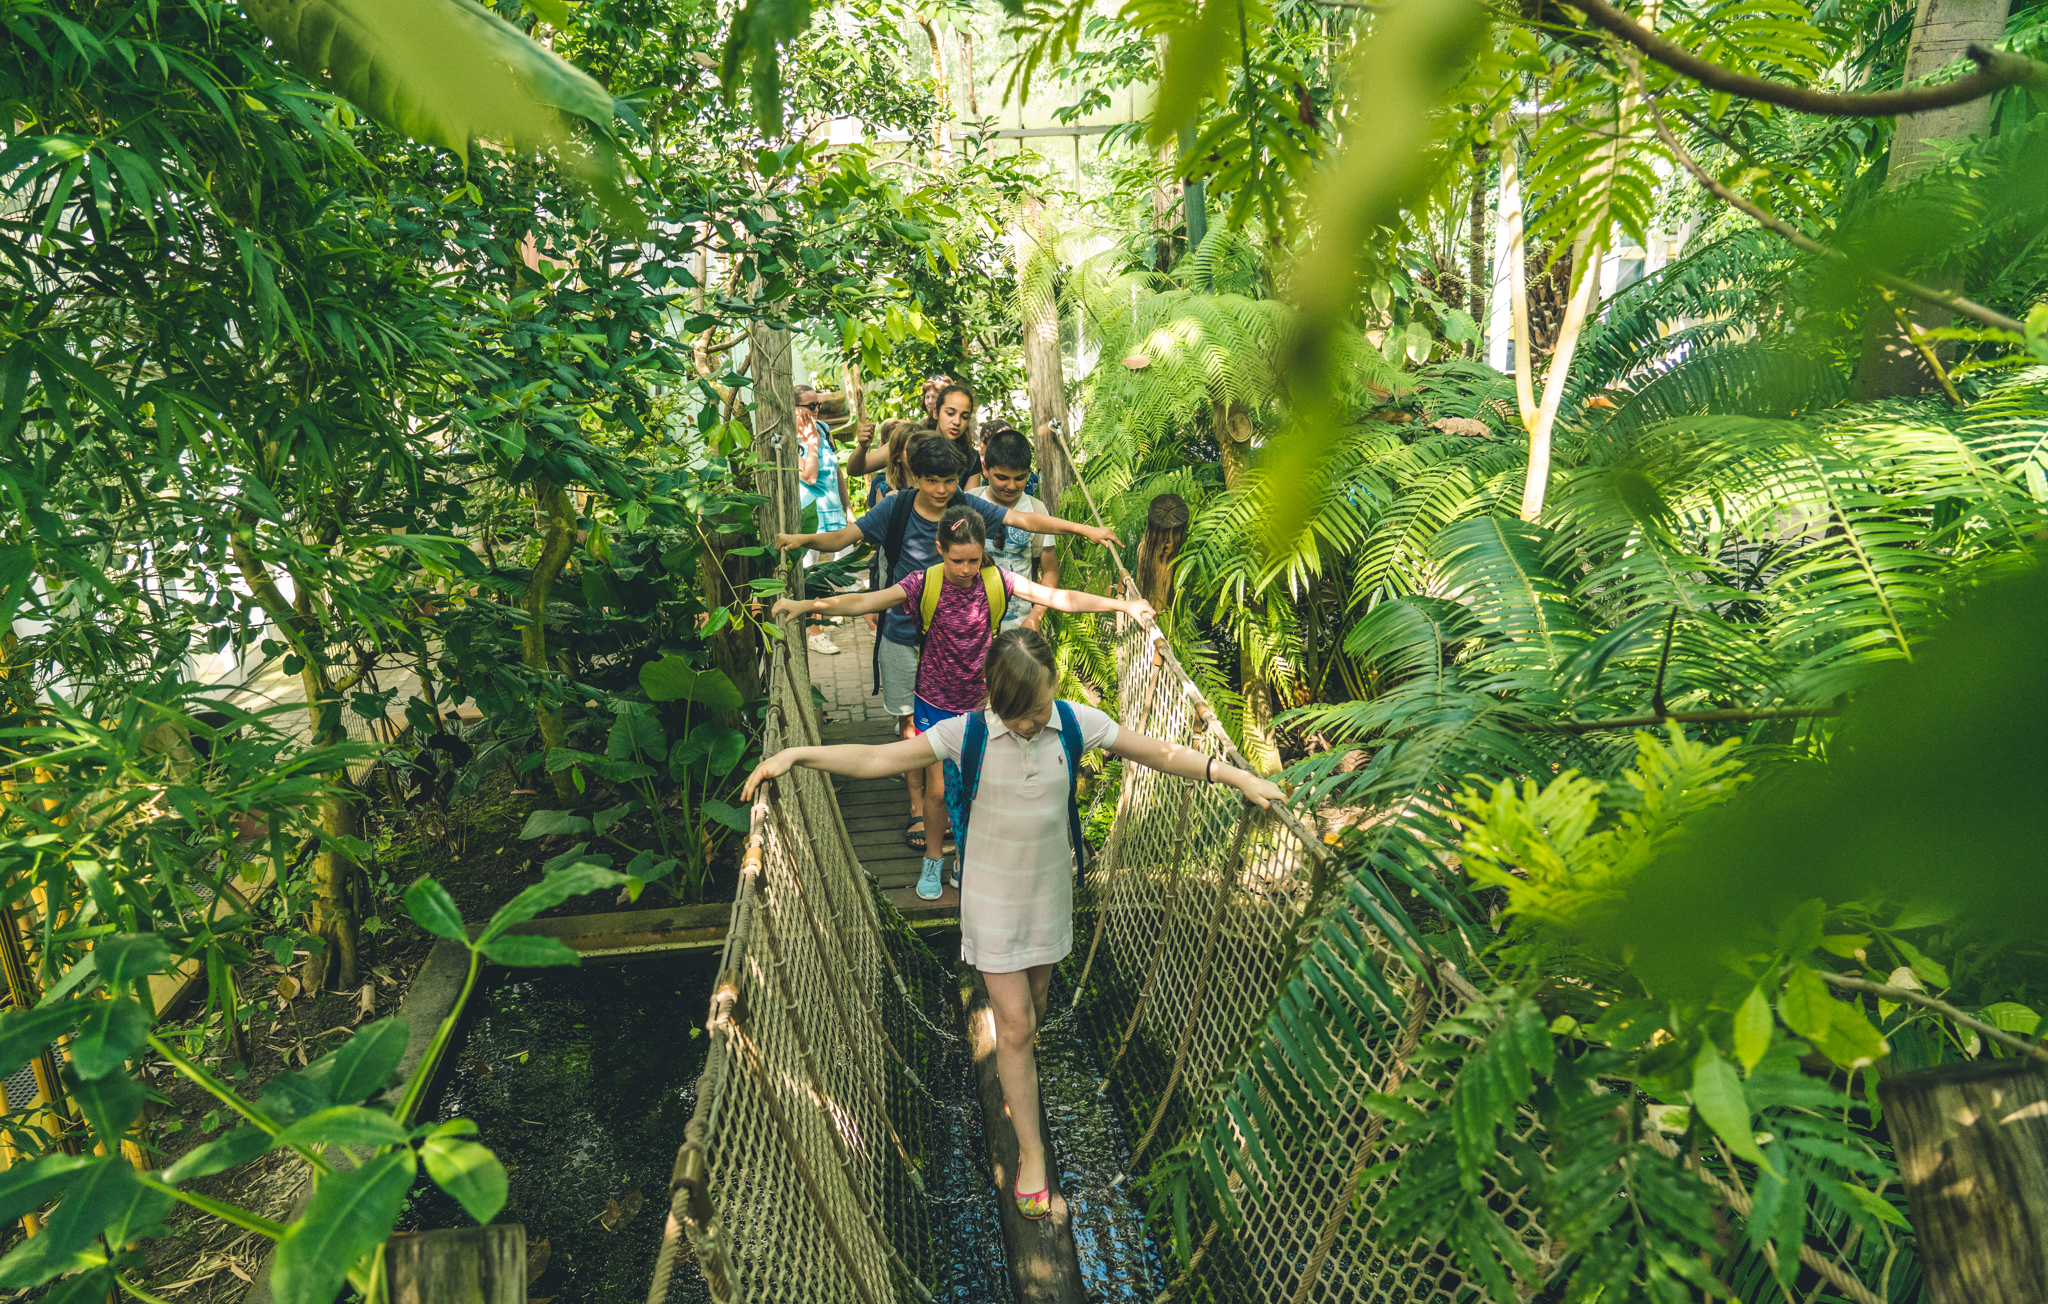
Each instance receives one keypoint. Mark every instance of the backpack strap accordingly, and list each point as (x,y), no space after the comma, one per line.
(998,598)
(928,599)
(885,561)
(972,748)
(1070,740)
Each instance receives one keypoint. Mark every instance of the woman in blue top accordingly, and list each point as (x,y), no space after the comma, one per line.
(817,473)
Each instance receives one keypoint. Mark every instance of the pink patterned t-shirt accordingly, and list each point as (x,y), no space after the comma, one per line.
(949,669)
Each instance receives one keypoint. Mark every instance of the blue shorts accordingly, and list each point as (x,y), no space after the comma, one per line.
(923,716)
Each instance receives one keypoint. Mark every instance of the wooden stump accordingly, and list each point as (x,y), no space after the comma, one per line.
(1166,529)
(468,1265)
(1972,1147)
(1045,1268)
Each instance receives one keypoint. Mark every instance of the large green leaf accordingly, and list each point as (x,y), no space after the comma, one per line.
(362,1066)
(108,1035)
(753,52)
(346,1125)
(467,1171)
(553,823)
(434,910)
(1718,1098)
(220,1154)
(109,1103)
(448,72)
(523,952)
(101,1194)
(24,1033)
(350,1215)
(124,958)
(673,679)
(635,733)
(557,887)
(1934,802)
(29,1185)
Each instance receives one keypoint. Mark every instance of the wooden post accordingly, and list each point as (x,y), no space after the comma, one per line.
(1045,1268)
(1036,273)
(1972,1146)
(775,437)
(468,1265)
(1166,529)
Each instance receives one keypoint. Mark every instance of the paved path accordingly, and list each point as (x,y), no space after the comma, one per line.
(876,809)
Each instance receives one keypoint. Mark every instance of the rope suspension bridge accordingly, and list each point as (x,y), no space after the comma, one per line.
(801,1175)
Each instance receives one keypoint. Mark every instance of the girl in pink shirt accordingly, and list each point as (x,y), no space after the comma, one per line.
(1018,858)
(949,661)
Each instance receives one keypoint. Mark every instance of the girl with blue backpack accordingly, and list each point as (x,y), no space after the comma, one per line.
(1020,765)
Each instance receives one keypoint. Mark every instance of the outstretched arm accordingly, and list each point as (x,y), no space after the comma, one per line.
(1076,600)
(1037,524)
(843,537)
(849,759)
(1172,758)
(858,603)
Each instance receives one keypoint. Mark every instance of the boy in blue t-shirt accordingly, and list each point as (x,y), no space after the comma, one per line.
(935,464)
(1006,469)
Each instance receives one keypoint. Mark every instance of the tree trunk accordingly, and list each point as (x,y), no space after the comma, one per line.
(775,433)
(1537,482)
(1233,429)
(1972,1145)
(1162,213)
(965,40)
(466,1265)
(332,915)
(1942,30)
(1477,281)
(1043,378)
(942,122)
(1518,270)
(1194,201)
(553,501)
(722,581)
(1166,530)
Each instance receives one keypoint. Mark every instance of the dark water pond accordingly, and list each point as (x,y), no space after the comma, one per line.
(582,1081)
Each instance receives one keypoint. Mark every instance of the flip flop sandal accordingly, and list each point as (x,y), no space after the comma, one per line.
(1034,1206)
(913,836)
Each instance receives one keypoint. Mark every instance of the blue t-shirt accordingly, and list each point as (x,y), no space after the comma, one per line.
(920,549)
(824,495)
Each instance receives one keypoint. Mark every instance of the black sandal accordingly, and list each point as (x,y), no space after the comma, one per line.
(913,836)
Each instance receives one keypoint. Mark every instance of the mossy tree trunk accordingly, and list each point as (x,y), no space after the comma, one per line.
(1892,363)
(1233,428)
(555,506)
(332,916)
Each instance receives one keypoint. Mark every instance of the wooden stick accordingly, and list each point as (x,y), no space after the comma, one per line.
(1996,70)
(1955,303)
(1907,996)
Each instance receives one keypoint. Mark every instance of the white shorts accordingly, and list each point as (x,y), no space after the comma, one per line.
(899,675)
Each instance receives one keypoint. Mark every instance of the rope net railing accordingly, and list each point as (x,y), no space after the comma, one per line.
(833,1087)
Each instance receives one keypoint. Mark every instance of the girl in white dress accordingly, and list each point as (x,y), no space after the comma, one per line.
(1017,858)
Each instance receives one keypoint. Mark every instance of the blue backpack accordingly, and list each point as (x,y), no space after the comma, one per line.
(976,743)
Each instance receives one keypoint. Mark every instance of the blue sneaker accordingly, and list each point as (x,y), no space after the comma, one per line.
(954,876)
(928,885)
